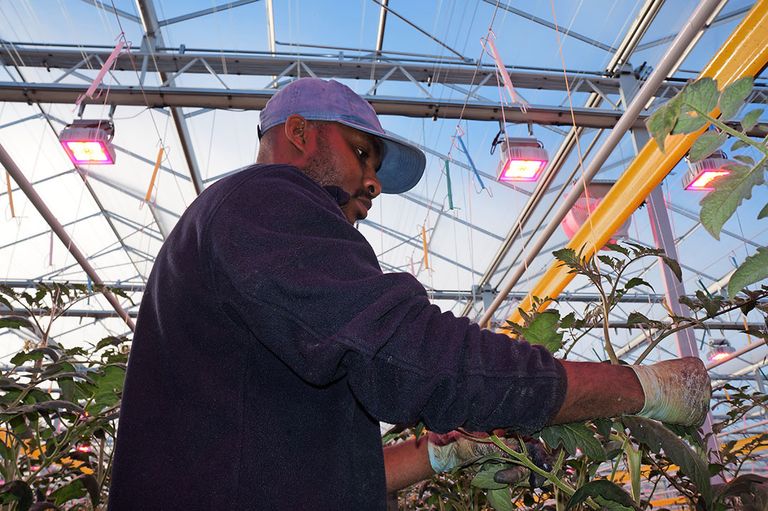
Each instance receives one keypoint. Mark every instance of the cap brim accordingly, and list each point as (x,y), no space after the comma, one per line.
(403,164)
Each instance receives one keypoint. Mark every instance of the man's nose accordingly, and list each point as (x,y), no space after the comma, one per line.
(372,186)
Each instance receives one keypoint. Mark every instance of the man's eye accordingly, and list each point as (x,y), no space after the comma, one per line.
(361,153)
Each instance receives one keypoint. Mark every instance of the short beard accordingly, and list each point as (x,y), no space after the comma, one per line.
(322,167)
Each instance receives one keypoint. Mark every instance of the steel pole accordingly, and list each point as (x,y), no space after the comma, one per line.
(53,222)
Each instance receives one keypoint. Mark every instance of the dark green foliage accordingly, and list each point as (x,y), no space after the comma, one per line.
(17,491)
(730,191)
(753,269)
(608,494)
(733,97)
(54,399)
(657,437)
(574,437)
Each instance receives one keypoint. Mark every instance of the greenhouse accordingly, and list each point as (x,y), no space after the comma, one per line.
(380,254)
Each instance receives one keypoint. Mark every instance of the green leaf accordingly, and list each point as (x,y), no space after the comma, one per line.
(26,356)
(674,266)
(484,478)
(733,96)
(710,303)
(753,269)
(657,437)
(663,120)
(636,318)
(701,94)
(705,145)
(617,248)
(16,491)
(567,256)
(688,123)
(603,426)
(719,205)
(568,320)
(15,322)
(750,119)
(738,144)
(745,485)
(110,341)
(604,489)
(543,331)
(74,490)
(746,160)
(636,281)
(763,212)
(574,436)
(500,500)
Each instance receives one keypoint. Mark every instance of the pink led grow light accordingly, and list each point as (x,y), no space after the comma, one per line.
(89,142)
(703,181)
(703,173)
(521,170)
(88,152)
(522,159)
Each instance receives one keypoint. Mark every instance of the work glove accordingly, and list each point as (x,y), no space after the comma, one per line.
(676,391)
(459,449)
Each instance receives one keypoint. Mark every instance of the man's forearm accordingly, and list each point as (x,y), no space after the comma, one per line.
(680,394)
(407,463)
(594,390)
(598,390)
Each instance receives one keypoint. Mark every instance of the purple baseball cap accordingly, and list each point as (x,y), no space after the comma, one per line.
(402,164)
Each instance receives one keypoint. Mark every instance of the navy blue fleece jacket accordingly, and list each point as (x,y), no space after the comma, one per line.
(268,346)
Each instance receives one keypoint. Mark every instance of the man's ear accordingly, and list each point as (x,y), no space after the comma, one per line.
(295,131)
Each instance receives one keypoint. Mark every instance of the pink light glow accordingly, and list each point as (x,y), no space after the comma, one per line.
(703,180)
(719,356)
(84,448)
(521,170)
(90,152)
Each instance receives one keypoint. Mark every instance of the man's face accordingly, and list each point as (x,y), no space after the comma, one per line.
(347,158)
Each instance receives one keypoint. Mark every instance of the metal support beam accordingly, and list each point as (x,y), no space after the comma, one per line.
(42,208)
(152,39)
(205,12)
(563,30)
(271,63)
(177,97)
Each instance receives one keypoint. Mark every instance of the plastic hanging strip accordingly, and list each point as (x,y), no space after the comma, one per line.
(502,70)
(10,193)
(158,161)
(104,69)
(448,182)
(424,243)
(471,163)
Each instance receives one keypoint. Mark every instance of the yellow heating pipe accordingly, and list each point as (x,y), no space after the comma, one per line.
(745,53)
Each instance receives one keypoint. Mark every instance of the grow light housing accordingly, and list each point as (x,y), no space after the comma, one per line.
(719,350)
(522,159)
(702,173)
(89,142)
(585,205)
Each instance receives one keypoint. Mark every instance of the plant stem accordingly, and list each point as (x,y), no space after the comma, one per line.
(727,129)
(692,322)
(526,462)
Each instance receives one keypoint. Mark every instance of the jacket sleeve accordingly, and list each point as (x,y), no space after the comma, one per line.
(307,285)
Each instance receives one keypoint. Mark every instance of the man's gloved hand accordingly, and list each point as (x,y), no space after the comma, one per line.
(676,391)
(457,449)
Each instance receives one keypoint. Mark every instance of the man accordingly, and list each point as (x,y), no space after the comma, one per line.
(269,344)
